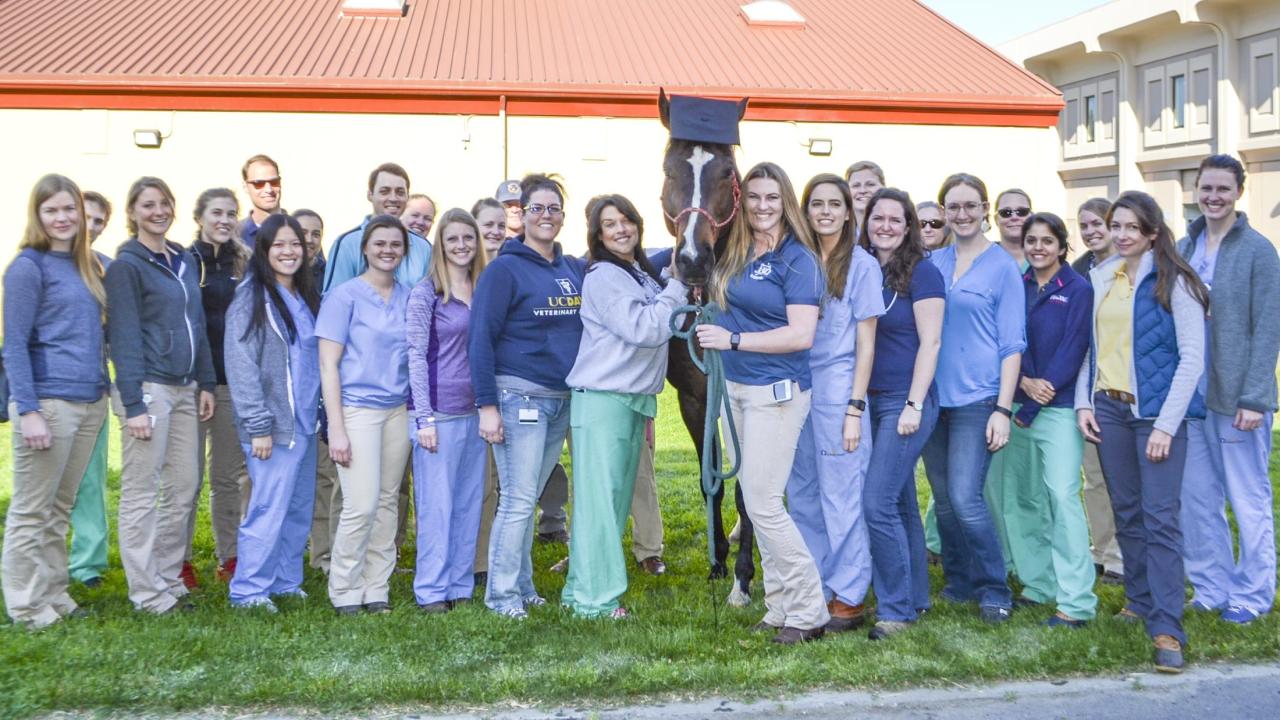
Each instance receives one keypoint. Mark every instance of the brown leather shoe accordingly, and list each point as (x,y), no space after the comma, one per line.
(653,565)
(845,617)
(795,636)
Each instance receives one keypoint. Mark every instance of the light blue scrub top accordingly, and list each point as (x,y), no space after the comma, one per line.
(985,322)
(375,362)
(1204,264)
(304,364)
(831,359)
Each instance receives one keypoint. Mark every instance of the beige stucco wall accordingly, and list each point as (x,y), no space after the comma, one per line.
(325,158)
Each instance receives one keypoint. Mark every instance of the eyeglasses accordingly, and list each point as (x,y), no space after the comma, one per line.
(969,208)
(552,210)
(935,224)
(260,184)
(1007,213)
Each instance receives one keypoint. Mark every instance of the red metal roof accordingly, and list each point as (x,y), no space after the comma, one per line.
(854,60)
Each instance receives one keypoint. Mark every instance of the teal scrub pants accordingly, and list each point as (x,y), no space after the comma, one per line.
(88,558)
(1009,504)
(608,431)
(1043,514)
(932,540)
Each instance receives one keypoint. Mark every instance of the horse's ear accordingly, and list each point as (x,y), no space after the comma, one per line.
(742,107)
(664,108)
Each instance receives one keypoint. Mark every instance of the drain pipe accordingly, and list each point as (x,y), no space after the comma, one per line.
(502,116)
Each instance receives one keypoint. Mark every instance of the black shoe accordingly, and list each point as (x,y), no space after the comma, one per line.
(377,608)
(992,615)
(481,579)
(347,609)
(555,536)
(1022,601)
(1111,578)
(795,636)
(80,613)
(435,608)
(844,624)
(92,582)
(763,627)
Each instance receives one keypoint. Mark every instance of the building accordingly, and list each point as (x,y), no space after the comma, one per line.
(1152,86)
(465,93)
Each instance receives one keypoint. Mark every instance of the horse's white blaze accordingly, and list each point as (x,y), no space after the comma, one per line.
(698,160)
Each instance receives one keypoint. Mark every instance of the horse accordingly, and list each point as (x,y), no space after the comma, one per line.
(701,195)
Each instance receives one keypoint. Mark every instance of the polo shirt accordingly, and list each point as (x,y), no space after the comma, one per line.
(375,365)
(985,322)
(897,339)
(758,299)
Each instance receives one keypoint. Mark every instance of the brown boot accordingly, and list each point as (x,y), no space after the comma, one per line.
(844,617)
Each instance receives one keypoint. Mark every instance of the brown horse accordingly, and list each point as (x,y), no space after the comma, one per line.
(701,196)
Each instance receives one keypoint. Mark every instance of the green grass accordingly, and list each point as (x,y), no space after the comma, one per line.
(683,641)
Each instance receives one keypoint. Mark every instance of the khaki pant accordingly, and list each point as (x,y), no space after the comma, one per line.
(157,494)
(488,510)
(769,433)
(1097,510)
(646,516)
(34,563)
(228,478)
(328,507)
(364,554)
(404,502)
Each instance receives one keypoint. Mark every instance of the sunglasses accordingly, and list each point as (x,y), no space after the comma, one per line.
(935,224)
(260,184)
(1007,213)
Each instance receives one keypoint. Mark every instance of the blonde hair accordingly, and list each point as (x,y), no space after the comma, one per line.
(738,248)
(438,271)
(86,261)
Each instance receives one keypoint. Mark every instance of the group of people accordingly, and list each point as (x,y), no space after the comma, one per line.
(861,333)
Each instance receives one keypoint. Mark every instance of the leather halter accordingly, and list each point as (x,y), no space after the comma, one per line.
(717,224)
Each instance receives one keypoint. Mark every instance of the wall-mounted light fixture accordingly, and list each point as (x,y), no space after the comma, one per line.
(820,146)
(147,138)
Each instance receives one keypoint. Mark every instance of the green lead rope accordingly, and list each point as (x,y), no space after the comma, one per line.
(711,365)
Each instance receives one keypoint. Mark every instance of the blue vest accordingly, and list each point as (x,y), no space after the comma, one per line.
(1155,352)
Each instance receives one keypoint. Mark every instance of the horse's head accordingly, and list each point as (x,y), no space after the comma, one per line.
(700,197)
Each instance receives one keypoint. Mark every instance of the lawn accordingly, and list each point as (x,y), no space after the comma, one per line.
(682,640)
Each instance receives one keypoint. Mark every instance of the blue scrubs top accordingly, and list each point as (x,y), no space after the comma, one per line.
(835,344)
(1204,264)
(985,322)
(758,300)
(304,364)
(375,361)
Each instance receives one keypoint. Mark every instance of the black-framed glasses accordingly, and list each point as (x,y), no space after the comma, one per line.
(552,210)
(935,224)
(1007,213)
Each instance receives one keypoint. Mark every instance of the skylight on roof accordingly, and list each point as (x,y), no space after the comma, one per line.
(373,8)
(771,12)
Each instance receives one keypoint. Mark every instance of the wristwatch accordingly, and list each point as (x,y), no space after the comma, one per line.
(915,405)
(1004,411)
(859,405)
(734,339)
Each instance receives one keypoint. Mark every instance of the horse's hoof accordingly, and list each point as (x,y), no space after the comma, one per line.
(718,572)
(737,598)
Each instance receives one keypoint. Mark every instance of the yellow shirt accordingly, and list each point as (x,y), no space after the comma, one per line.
(1115,335)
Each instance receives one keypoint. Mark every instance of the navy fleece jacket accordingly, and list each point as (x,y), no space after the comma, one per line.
(1057,337)
(524,319)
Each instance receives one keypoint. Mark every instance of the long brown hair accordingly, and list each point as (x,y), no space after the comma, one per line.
(86,261)
(837,263)
(738,247)
(902,263)
(596,250)
(438,269)
(1169,264)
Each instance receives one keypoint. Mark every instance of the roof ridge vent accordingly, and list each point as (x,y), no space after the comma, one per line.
(374,8)
(777,13)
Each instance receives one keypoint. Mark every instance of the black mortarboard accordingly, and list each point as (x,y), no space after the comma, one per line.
(706,120)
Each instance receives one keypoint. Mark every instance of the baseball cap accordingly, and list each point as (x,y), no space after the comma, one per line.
(508,191)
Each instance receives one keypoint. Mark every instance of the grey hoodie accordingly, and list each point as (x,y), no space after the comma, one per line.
(258,372)
(1244,335)
(625,330)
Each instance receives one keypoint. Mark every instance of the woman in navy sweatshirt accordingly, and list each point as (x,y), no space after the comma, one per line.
(524,339)
(1042,461)
(53,301)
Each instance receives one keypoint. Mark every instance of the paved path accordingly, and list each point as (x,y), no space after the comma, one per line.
(1211,692)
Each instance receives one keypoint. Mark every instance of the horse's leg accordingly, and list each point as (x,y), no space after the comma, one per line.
(744,564)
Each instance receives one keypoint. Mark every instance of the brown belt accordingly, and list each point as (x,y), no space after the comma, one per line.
(1119,396)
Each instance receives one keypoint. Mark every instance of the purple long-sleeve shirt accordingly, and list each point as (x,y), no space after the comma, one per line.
(439,368)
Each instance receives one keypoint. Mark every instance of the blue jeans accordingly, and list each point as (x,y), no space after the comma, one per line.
(956,460)
(525,458)
(1146,500)
(899,568)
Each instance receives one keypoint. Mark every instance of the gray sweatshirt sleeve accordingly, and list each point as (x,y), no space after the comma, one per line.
(124,334)
(619,303)
(242,357)
(1084,382)
(22,288)
(1258,391)
(1188,323)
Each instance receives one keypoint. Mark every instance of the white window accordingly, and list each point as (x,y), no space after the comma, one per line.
(1178,101)
(1264,93)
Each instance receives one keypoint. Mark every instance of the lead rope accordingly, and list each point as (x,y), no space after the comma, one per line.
(711,365)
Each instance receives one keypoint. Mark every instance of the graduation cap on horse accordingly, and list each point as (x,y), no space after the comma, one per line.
(698,119)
